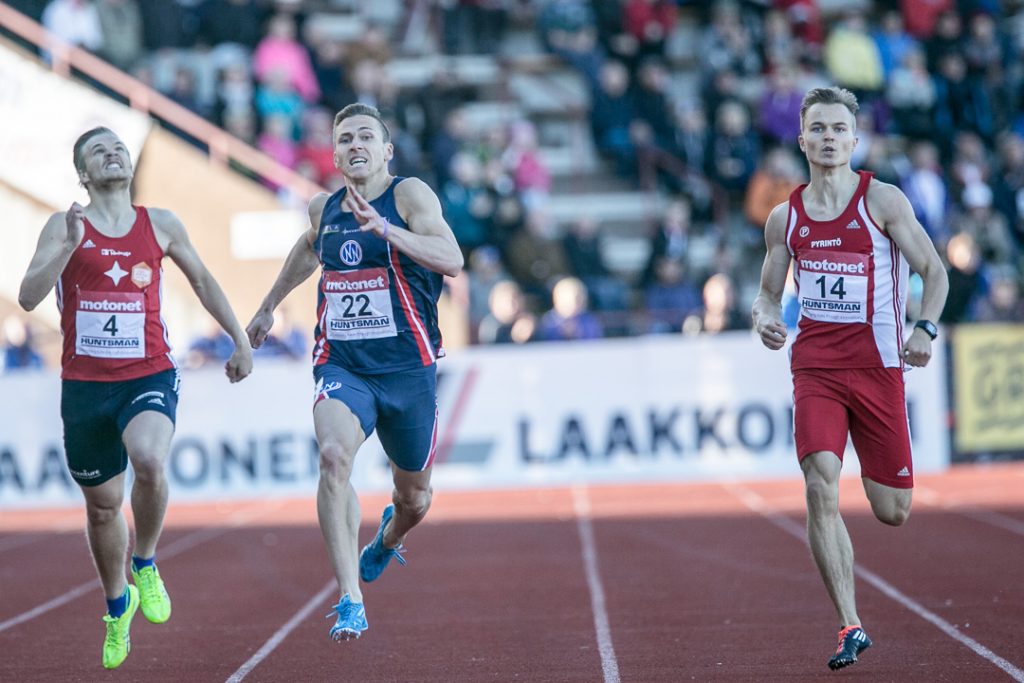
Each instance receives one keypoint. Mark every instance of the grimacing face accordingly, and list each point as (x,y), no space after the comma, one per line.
(828,135)
(359,148)
(105,160)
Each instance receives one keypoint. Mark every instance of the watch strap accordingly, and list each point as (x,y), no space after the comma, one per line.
(929,328)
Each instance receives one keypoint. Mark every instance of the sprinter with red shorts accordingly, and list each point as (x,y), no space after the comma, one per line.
(120,385)
(852,241)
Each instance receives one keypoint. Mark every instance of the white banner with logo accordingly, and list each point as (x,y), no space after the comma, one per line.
(647,409)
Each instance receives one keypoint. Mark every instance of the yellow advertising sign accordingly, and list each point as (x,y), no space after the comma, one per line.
(988,380)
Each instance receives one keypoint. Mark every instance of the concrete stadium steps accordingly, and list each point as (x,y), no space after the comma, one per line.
(472,70)
(618,208)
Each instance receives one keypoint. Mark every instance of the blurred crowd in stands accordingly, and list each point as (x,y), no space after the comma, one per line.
(694,103)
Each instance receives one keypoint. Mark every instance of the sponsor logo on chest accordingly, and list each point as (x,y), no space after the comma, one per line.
(142,275)
(351,253)
(822,244)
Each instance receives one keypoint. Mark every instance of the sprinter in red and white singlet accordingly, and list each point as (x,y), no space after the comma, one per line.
(119,390)
(852,241)
(109,295)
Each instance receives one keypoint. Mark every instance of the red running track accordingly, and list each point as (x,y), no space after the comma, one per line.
(647,584)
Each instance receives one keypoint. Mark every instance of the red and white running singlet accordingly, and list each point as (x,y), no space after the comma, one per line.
(851,281)
(109,297)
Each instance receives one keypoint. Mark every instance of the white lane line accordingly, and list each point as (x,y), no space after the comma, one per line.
(996,519)
(990,517)
(581,504)
(63,599)
(757,504)
(12,542)
(282,633)
(176,548)
(18,540)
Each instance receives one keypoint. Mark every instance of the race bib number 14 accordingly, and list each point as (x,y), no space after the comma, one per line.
(834,287)
(110,325)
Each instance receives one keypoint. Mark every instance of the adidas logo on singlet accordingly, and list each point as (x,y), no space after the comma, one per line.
(905,472)
(853,225)
(89,244)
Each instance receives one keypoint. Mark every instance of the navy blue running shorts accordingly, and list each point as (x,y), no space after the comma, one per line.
(96,413)
(401,406)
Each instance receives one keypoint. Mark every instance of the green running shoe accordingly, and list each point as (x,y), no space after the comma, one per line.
(118,642)
(156,604)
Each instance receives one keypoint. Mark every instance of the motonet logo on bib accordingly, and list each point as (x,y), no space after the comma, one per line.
(353,284)
(857,267)
(106,305)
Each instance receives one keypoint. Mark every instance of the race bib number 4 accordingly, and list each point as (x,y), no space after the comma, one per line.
(834,287)
(110,325)
(358,305)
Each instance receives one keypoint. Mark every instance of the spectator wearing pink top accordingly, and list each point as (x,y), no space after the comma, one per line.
(276,140)
(523,161)
(280,50)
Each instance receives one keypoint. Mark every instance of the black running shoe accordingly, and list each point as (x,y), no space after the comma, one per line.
(852,641)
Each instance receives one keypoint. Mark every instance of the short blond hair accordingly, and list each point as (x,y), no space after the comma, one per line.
(360,109)
(831,95)
(76,151)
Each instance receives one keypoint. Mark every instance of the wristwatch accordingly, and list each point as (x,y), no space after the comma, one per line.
(929,328)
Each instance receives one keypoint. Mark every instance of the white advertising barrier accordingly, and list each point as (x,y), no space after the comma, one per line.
(648,409)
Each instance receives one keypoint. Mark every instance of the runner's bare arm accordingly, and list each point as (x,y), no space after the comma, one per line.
(892,208)
(767,310)
(300,263)
(180,250)
(57,242)
(428,241)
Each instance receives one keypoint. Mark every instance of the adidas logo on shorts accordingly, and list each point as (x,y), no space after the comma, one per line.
(905,472)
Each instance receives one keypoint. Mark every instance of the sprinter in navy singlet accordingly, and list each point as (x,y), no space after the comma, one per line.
(383,248)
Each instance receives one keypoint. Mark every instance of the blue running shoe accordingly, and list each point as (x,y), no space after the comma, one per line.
(351,621)
(375,557)
(852,641)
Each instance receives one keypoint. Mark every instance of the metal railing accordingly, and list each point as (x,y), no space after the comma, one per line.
(222,147)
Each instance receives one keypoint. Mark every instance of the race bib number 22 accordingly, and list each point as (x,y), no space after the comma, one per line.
(358,304)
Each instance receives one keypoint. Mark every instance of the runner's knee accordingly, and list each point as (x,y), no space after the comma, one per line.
(822,497)
(415,501)
(148,467)
(335,461)
(103,510)
(892,512)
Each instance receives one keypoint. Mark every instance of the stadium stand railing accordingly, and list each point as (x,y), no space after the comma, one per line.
(221,146)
